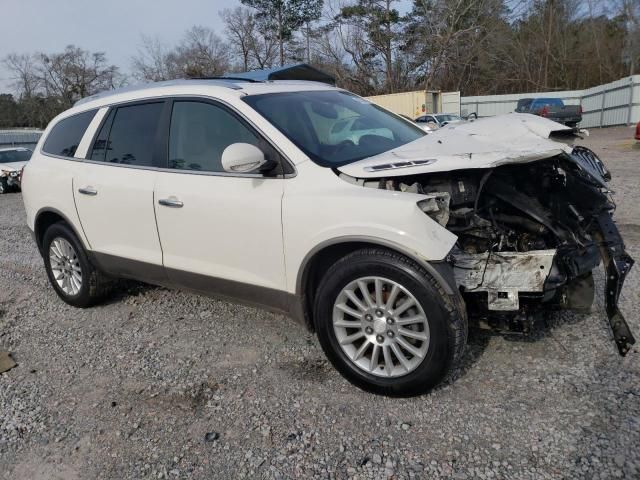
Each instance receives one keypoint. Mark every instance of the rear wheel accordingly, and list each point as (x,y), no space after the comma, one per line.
(4,187)
(73,277)
(386,324)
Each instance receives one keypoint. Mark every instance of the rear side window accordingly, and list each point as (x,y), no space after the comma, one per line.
(128,135)
(65,136)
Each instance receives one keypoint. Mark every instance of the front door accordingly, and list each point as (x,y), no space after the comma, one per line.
(220,232)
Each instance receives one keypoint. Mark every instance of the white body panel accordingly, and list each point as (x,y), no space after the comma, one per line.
(119,220)
(48,184)
(319,207)
(228,227)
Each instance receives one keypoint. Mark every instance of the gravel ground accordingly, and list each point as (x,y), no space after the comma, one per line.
(165,384)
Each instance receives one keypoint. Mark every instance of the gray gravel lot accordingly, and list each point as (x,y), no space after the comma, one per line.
(165,384)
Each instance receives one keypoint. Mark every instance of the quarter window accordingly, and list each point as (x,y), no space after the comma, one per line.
(128,135)
(65,136)
(199,134)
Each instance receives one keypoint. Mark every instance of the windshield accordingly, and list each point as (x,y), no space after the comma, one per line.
(10,156)
(334,128)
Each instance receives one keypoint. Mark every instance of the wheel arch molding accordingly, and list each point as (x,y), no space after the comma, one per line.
(323,255)
(47,216)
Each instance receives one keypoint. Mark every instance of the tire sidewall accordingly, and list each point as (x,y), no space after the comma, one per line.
(61,230)
(439,355)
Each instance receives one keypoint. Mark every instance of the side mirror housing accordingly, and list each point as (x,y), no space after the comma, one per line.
(243,158)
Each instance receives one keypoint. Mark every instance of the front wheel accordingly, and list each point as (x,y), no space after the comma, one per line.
(387,325)
(4,186)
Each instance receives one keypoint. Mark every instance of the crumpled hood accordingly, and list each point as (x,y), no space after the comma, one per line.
(485,143)
(12,166)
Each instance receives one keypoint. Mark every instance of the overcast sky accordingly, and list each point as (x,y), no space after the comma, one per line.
(111,26)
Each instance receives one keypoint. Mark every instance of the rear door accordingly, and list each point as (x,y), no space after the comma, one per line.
(220,232)
(113,190)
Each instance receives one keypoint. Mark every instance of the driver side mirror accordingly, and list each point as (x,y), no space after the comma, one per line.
(244,158)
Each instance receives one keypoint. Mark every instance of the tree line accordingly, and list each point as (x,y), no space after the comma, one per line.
(479,47)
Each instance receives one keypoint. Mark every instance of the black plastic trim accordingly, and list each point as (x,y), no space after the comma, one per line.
(267,298)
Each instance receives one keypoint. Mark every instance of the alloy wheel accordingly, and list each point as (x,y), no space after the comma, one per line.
(381,327)
(65,266)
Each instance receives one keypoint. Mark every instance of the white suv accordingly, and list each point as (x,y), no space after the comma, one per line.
(383,241)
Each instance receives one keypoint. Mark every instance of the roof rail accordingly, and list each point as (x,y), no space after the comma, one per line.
(223,82)
(225,77)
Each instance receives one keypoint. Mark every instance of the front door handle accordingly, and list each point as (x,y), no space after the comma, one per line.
(172,202)
(88,191)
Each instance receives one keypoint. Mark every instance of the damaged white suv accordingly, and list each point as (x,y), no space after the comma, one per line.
(383,240)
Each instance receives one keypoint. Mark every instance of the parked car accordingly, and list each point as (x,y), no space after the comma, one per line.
(12,160)
(439,119)
(385,247)
(427,127)
(552,108)
(638,131)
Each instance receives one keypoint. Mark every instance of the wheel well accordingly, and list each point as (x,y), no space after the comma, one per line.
(317,266)
(43,222)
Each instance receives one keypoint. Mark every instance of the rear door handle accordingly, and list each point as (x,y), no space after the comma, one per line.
(171,202)
(88,191)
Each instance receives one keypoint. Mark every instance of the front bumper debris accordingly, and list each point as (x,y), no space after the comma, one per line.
(617,264)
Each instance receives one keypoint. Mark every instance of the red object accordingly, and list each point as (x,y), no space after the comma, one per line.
(544,112)
(638,131)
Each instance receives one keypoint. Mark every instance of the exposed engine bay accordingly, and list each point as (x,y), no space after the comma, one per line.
(528,236)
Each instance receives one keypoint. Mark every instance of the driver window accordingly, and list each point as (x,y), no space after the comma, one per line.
(200,132)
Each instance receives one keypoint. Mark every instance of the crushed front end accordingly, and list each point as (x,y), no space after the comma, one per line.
(529,236)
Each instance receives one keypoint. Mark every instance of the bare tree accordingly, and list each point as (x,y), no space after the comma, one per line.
(445,36)
(24,74)
(47,84)
(370,28)
(154,62)
(240,26)
(264,47)
(202,53)
(76,73)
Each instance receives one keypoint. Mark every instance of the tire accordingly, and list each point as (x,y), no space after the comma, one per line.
(4,187)
(93,285)
(437,342)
